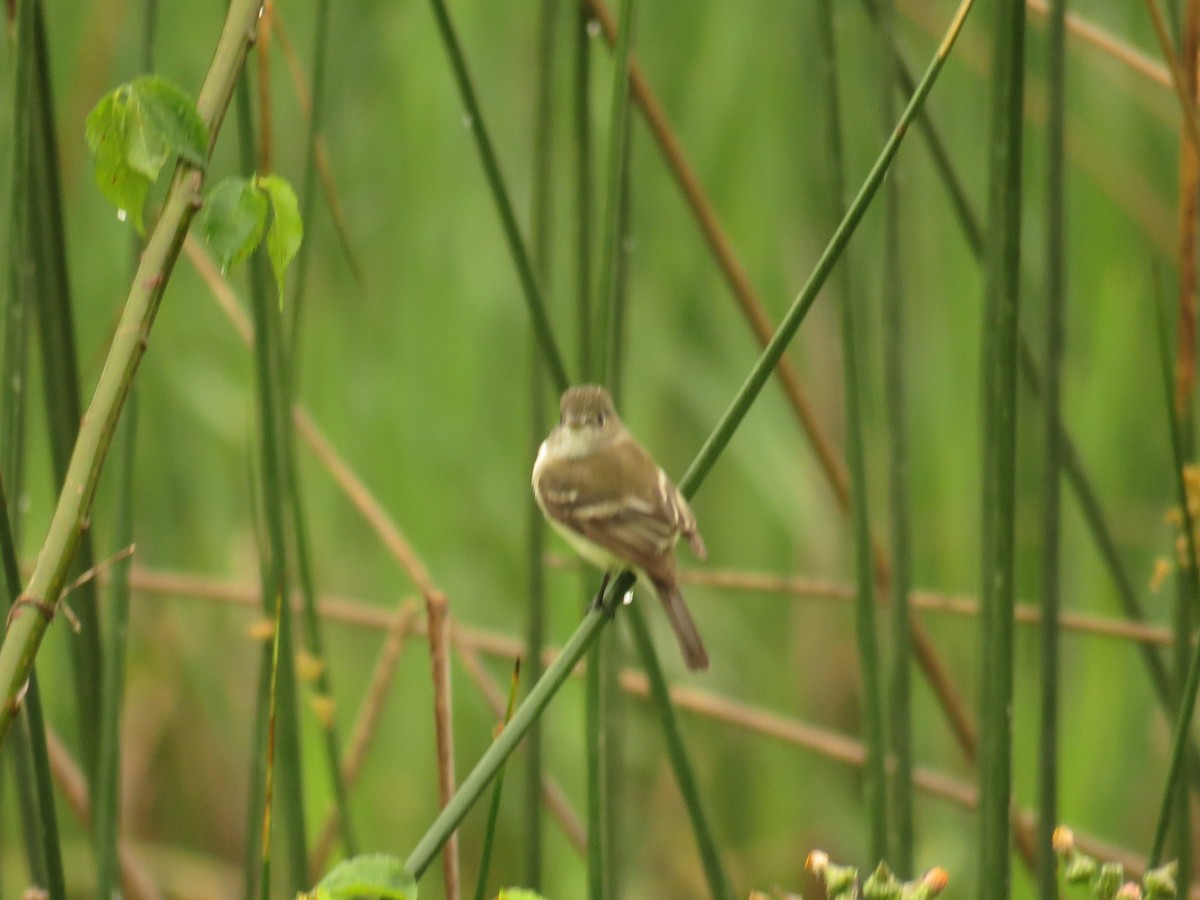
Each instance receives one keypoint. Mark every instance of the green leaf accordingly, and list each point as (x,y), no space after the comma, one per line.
(232,220)
(362,877)
(134,131)
(108,133)
(287,229)
(171,116)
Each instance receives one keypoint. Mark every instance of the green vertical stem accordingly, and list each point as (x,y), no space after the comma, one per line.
(288,361)
(1000,355)
(610,645)
(272,403)
(106,808)
(895,390)
(35,789)
(535,640)
(581,122)
(1077,478)
(1047,874)
(875,767)
(602,660)
(61,380)
(610,235)
(508,219)
(308,193)
(597,758)
(710,859)
(1185,709)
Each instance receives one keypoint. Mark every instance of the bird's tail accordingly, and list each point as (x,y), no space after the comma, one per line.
(682,624)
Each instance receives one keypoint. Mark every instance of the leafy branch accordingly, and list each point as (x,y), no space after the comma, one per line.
(34,610)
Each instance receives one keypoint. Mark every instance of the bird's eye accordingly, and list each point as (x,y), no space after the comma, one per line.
(600,420)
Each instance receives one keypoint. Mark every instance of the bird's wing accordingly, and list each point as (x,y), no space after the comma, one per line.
(638,523)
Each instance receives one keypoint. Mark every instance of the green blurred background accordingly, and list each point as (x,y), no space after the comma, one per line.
(420,380)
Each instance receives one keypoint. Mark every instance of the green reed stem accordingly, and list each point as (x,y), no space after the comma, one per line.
(1181,728)
(1047,874)
(271,388)
(866,630)
(895,391)
(106,808)
(60,380)
(508,219)
(1000,342)
(535,636)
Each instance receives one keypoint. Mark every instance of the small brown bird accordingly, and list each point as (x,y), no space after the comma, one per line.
(610,500)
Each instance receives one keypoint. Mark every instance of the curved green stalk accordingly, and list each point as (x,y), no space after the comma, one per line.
(543,691)
(28,626)
(526,714)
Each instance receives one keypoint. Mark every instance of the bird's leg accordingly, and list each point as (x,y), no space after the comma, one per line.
(598,601)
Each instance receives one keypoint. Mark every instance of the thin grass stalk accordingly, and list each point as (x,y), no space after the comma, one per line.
(866,632)
(28,625)
(253,847)
(106,808)
(601,659)
(287,360)
(1001,295)
(1047,874)
(308,189)
(489,832)
(1187,697)
(895,391)
(535,635)
(264,872)
(310,622)
(593,622)
(581,107)
(1077,477)
(35,790)
(508,219)
(710,858)
(610,235)
(611,655)
(595,761)
(60,381)
(284,730)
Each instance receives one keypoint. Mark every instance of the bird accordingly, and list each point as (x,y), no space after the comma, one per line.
(608,498)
